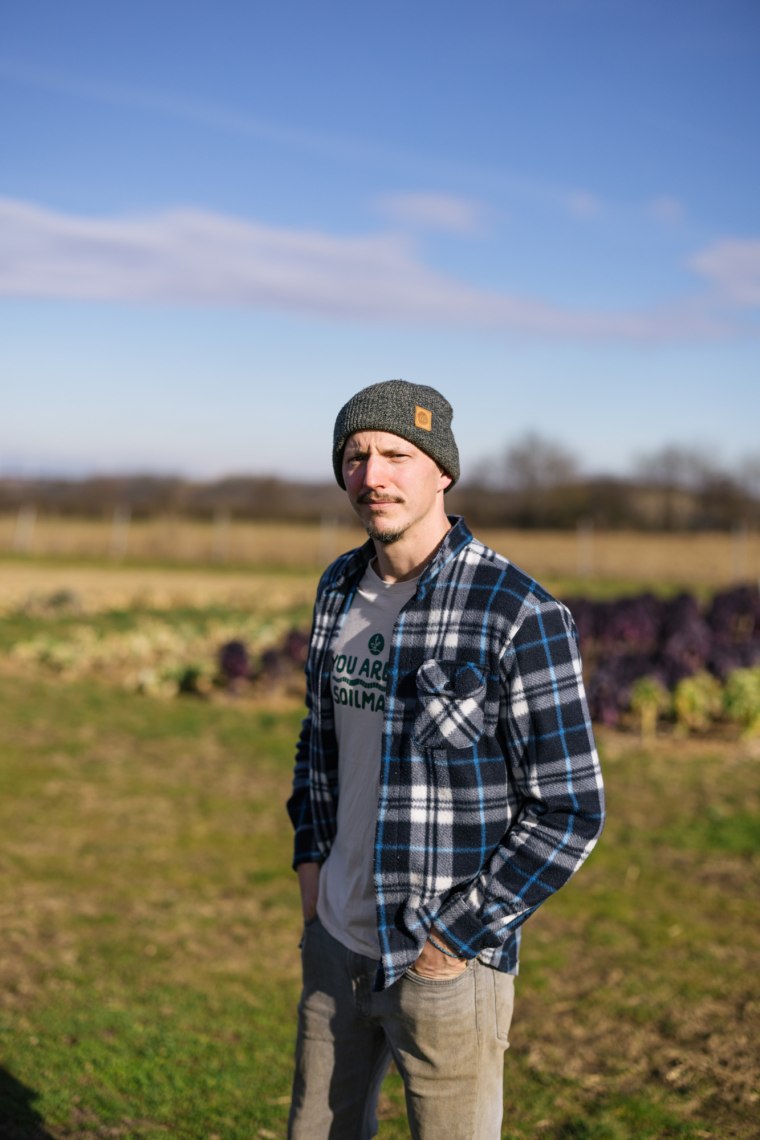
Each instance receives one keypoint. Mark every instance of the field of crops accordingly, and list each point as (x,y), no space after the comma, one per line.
(149,918)
(706,560)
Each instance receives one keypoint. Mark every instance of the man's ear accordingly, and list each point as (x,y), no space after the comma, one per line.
(446,480)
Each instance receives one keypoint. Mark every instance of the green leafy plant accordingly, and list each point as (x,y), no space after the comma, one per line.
(649,701)
(697,702)
(741,700)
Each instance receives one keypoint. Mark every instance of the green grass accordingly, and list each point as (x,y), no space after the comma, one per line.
(149,928)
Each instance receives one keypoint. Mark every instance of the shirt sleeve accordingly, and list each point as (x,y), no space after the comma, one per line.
(553,764)
(305,848)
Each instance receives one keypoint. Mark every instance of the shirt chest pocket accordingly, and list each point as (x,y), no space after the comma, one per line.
(450,705)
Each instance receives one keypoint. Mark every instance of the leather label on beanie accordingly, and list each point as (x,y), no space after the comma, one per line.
(423,418)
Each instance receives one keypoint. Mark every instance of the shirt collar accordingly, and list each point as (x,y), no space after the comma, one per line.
(456,539)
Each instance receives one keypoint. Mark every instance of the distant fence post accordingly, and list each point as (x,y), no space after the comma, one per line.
(740,552)
(585,549)
(327,535)
(23,535)
(119,541)
(220,551)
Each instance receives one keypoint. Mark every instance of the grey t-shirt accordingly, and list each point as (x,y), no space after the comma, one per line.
(346,905)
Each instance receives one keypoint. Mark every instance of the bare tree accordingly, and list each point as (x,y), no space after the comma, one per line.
(530,463)
(676,468)
(536,481)
(749,474)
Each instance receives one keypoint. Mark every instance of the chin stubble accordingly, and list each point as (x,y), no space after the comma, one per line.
(386,537)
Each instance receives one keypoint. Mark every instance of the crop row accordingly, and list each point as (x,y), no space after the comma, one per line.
(672,658)
(159,657)
(646,659)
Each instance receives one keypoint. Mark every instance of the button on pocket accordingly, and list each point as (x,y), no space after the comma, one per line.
(451,705)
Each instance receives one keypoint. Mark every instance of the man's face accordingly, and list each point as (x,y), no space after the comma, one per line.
(392,485)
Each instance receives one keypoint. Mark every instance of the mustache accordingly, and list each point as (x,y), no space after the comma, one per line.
(370,497)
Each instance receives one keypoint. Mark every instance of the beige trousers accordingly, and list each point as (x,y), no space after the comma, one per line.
(447,1039)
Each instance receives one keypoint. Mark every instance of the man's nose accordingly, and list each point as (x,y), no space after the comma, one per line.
(375,471)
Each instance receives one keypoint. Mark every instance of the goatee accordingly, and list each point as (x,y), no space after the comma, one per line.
(385,537)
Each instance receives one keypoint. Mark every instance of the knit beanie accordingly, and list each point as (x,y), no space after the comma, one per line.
(413,411)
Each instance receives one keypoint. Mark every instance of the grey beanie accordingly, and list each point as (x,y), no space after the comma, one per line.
(413,411)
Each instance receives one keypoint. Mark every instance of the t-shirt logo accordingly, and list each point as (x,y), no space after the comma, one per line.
(359,682)
(423,418)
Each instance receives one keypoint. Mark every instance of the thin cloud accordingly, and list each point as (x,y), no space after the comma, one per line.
(220,118)
(734,267)
(582,204)
(202,258)
(667,210)
(434,211)
(212,116)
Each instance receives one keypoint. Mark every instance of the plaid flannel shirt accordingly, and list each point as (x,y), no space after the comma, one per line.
(490,792)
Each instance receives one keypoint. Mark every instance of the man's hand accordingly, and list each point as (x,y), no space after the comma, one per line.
(308,881)
(432,963)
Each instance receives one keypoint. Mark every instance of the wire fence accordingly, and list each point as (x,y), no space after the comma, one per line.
(710,559)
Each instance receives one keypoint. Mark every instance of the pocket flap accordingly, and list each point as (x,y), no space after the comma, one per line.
(463,681)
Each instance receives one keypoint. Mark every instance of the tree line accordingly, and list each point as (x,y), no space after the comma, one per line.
(533,484)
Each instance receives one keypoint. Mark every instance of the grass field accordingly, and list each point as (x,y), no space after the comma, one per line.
(149,919)
(149,963)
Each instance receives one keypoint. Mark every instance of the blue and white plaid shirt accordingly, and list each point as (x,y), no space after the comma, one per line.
(490,793)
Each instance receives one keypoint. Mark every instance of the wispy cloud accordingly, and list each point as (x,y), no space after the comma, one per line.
(434,211)
(206,114)
(734,267)
(202,258)
(442,211)
(666,209)
(582,204)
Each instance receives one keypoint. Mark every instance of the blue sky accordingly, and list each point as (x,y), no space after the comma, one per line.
(219,221)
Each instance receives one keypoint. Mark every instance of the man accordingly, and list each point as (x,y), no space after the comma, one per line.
(446,784)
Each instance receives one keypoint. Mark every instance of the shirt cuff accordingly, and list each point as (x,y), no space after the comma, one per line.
(463,930)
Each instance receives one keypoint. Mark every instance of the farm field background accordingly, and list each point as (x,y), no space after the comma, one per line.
(149,918)
(620,557)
